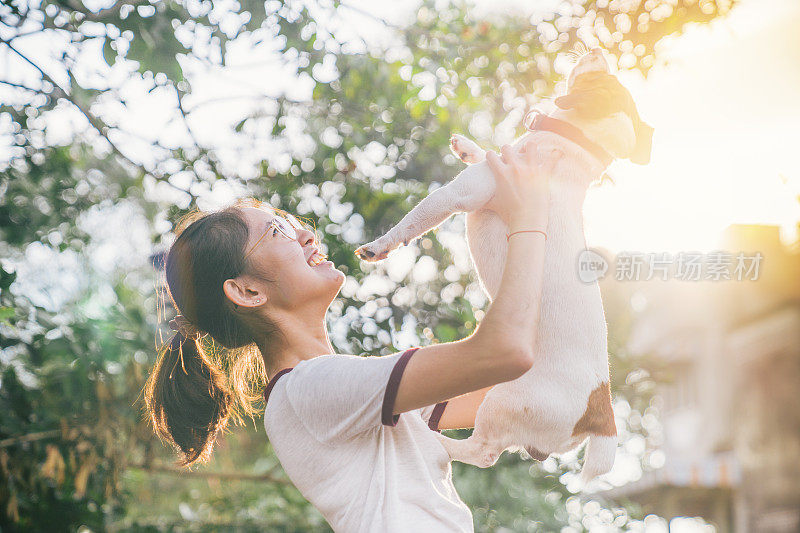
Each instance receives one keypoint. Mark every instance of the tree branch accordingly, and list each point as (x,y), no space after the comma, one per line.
(370,15)
(30,437)
(94,121)
(209,158)
(19,86)
(176,471)
(160,468)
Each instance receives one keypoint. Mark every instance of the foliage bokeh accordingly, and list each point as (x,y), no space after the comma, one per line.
(366,147)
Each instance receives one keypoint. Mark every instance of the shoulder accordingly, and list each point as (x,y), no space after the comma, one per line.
(323,363)
(338,396)
(344,361)
(341,373)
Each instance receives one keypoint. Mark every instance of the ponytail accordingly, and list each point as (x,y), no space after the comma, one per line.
(188,398)
(195,388)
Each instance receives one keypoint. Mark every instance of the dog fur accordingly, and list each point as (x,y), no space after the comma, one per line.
(565,397)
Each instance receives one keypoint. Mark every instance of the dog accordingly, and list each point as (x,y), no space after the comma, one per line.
(565,397)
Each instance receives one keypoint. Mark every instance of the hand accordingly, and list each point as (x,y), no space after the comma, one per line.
(522,178)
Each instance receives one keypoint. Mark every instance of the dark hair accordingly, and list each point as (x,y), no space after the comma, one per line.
(194,388)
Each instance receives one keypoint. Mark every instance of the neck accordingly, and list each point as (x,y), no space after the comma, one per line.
(581,167)
(300,337)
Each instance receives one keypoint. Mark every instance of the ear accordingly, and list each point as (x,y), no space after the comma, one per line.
(644,144)
(568,101)
(582,100)
(239,294)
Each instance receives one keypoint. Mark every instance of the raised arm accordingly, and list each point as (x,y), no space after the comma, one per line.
(501,348)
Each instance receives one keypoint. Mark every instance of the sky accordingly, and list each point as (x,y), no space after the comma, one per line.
(720,99)
(723,101)
(726,118)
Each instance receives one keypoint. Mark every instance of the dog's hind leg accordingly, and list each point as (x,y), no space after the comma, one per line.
(476,450)
(599,456)
(487,442)
(598,422)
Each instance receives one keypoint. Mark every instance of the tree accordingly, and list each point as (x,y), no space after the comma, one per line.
(375,141)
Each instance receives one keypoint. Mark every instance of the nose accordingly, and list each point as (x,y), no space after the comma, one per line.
(305,236)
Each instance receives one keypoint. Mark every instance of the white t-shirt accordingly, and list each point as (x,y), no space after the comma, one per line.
(330,422)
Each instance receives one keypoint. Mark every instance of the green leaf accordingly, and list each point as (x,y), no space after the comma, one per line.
(6,313)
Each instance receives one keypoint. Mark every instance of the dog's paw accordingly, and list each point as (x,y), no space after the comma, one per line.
(466,150)
(536,454)
(372,252)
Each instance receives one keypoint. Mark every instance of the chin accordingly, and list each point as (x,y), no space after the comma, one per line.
(341,279)
(333,292)
(333,282)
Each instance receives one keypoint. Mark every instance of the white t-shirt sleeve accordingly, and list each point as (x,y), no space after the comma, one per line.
(337,397)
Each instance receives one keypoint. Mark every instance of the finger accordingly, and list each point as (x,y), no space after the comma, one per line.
(495,164)
(531,155)
(506,151)
(528,146)
(549,159)
(514,158)
(552,157)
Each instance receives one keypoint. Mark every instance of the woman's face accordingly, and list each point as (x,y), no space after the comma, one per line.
(294,283)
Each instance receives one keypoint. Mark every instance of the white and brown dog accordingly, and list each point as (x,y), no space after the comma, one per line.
(564,398)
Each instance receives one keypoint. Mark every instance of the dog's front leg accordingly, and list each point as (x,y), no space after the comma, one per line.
(466,150)
(471,189)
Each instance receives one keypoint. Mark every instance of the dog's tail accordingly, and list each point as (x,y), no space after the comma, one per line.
(599,456)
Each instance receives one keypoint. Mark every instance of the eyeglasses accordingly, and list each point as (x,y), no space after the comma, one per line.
(285,224)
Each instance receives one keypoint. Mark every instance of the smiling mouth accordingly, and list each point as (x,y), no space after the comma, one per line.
(316,259)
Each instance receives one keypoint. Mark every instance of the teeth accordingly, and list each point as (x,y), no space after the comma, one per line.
(316,259)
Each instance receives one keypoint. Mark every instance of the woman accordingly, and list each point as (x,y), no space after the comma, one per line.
(244,276)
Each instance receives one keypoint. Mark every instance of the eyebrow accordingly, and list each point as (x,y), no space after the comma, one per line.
(267,224)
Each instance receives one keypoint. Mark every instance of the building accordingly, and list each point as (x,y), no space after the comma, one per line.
(730,412)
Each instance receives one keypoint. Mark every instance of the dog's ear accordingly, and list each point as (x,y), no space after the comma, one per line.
(574,99)
(592,95)
(591,100)
(644,144)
